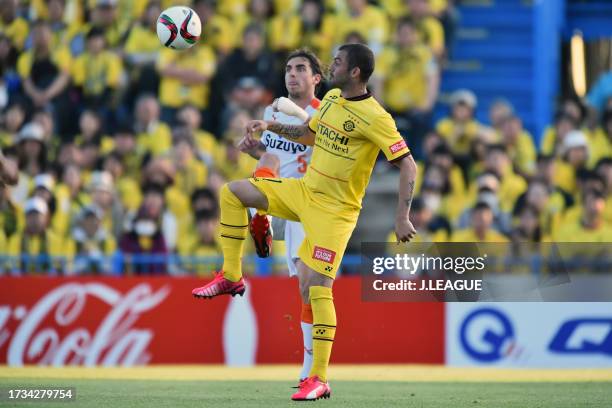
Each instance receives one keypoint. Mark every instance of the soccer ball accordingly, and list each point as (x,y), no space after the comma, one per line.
(179,27)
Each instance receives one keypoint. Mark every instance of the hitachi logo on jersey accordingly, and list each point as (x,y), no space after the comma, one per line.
(332,134)
(284,145)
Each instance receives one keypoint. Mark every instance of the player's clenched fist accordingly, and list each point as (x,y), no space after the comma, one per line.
(255,126)
(404,230)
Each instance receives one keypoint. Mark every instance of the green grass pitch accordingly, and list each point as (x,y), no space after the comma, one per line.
(345,394)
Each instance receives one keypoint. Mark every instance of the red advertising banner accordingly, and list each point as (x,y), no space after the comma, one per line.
(130,321)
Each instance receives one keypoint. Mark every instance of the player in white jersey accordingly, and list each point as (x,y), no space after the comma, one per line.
(281,157)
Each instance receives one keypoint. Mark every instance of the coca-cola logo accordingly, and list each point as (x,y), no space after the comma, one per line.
(116,340)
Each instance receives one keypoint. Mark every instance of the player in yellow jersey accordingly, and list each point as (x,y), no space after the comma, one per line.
(348,131)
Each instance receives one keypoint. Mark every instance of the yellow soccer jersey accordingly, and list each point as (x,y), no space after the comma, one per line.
(60,57)
(349,134)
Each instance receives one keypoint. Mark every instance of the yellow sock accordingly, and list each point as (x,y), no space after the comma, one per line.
(323,329)
(233,231)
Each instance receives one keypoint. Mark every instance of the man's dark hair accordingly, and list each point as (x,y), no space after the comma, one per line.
(482,206)
(605,161)
(206,215)
(406,21)
(497,148)
(359,56)
(253,28)
(95,32)
(315,63)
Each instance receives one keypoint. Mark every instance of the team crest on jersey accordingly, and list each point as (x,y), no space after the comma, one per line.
(323,254)
(349,125)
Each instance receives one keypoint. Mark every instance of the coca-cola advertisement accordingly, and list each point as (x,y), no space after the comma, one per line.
(137,321)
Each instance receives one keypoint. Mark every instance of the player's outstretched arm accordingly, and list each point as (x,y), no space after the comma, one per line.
(297,133)
(404,230)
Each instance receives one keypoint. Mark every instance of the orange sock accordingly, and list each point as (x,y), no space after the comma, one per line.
(306,313)
(265,172)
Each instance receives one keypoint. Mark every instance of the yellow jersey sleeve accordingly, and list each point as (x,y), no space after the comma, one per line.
(314,120)
(384,134)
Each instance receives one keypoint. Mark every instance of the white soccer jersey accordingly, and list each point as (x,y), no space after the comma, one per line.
(294,157)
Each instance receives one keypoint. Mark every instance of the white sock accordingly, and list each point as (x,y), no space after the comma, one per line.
(307,364)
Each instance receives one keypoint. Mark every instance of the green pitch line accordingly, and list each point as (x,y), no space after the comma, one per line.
(337,372)
(270,394)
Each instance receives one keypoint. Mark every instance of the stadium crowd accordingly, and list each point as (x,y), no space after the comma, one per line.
(122,144)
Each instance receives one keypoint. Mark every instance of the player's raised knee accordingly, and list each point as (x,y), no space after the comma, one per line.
(245,192)
(269,161)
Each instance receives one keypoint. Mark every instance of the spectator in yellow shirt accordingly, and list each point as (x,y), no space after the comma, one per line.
(284,31)
(206,144)
(217,30)
(91,243)
(368,20)
(12,218)
(90,126)
(14,116)
(59,218)
(191,173)
(519,145)
(185,77)
(129,150)
(235,165)
(13,26)
(141,50)
(460,129)
(104,15)
(44,71)
(574,157)
(591,227)
(549,203)
(161,172)
(499,110)
(70,194)
(481,229)
(511,185)
(601,140)
(431,228)
(430,29)
(37,249)
(200,250)
(568,118)
(528,228)
(127,187)
(31,150)
(103,195)
(318,29)
(97,72)
(153,135)
(410,81)
(62,22)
